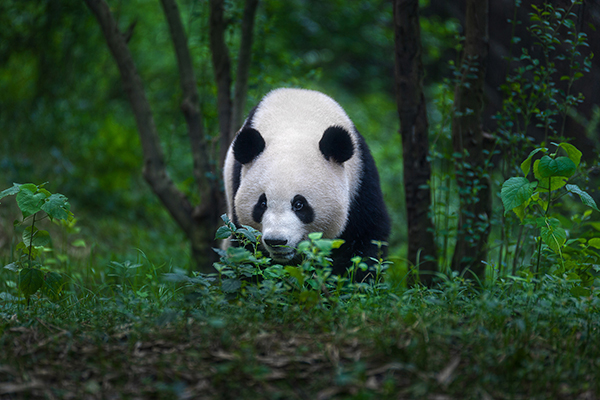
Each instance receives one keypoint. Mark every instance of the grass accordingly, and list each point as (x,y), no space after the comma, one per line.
(126,340)
(133,329)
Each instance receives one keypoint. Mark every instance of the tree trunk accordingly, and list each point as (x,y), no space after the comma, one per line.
(467,137)
(199,223)
(243,68)
(222,70)
(415,142)
(230,110)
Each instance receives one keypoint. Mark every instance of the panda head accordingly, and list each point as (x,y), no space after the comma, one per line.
(299,171)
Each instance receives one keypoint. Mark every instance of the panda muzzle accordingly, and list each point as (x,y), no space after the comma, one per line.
(278,249)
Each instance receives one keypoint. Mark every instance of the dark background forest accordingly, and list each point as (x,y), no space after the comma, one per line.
(65,119)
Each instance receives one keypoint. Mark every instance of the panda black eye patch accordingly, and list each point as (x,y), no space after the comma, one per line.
(302,209)
(259,208)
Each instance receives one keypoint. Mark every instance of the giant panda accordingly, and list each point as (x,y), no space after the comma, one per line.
(298,165)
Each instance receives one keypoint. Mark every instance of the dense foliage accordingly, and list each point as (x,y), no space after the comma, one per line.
(108,306)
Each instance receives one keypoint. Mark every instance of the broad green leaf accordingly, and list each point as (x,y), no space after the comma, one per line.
(29,186)
(584,196)
(337,243)
(551,184)
(239,255)
(231,285)
(594,242)
(223,233)
(580,291)
(79,243)
(572,276)
(39,238)
(53,285)
(520,210)
(57,206)
(296,272)
(572,152)
(14,267)
(25,250)
(553,234)
(10,191)
(516,191)
(526,165)
(30,281)
(309,298)
(248,234)
(315,235)
(560,166)
(29,202)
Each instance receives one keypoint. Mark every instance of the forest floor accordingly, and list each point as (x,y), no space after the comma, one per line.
(514,340)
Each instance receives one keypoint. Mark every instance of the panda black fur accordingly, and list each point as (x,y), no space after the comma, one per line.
(297,166)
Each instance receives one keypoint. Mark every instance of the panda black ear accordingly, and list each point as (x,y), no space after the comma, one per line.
(336,144)
(247,145)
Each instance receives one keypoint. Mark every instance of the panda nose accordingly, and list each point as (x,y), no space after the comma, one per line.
(275,242)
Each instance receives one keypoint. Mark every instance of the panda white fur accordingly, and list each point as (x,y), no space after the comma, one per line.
(298,166)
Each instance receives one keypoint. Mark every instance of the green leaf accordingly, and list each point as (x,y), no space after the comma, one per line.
(29,202)
(296,272)
(14,267)
(239,255)
(53,285)
(551,184)
(526,165)
(29,186)
(594,242)
(553,234)
(516,191)
(572,152)
(520,210)
(560,166)
(580,291)
(25,250)
(223,233)
(30,281)
(231,285)
(248,233)
(39,238)
(315,235)
(10,191)
(584,196)
(57,206)
(79,243)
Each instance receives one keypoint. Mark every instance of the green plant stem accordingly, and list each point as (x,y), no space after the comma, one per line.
(546,212)
(517,250)
(31,240)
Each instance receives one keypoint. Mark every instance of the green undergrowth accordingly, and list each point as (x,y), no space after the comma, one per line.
(509,341)
(258,331)
(132,329)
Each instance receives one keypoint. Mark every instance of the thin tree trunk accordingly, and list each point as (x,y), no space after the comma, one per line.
(467,136)
(199,224)
(243,68)
(415,142)
(206,214)
(222,69)
(230,110)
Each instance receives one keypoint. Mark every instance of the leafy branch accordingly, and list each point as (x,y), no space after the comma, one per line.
(531,200)
(36,203)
